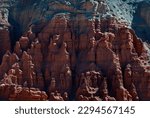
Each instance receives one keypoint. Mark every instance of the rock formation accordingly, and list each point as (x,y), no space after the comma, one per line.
(4,33)
(76,56)
(18,93)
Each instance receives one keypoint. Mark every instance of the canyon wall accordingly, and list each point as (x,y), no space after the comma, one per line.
(76,56)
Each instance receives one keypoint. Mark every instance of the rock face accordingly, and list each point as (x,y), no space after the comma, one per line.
(18,93)
(76,56)
(4,33)
(145,14)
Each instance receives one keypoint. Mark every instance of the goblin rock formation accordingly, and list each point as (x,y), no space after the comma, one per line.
(75,56)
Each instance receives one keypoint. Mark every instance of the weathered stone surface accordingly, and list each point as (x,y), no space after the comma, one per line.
(4,41)
(76,56)
(4,32)
(18,93)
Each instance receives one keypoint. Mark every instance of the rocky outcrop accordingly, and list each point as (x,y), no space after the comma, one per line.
(18,93)
(4,33)
(77,56)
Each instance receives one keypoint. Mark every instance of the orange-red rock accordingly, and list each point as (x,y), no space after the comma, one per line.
(76,58)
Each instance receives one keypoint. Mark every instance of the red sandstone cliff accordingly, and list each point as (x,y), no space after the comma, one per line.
(95,59)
